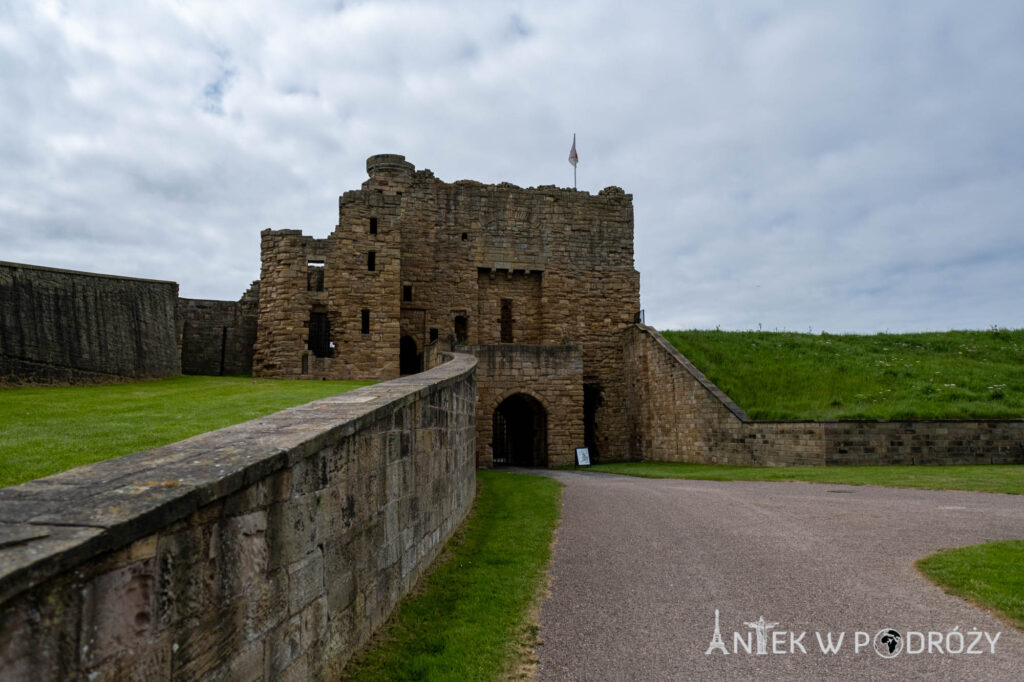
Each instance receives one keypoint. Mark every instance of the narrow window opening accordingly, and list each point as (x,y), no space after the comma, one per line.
(407,292)
(305,364)
(366,321)
(319,335)
(223,348)
(461,329)
(465,236)
(314,275)
(371,261)
(506,320)
(373,226)
(433,334)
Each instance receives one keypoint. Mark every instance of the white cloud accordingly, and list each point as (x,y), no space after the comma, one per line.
(852,167)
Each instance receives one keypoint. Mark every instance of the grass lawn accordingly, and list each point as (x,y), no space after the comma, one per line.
(942,375)
(989,575)
(45,430)
(470,620)
(992,478)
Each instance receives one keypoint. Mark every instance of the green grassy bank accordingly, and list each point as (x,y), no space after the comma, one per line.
(44,430)
(470,620)
(992,478)
(990,575)
(942,375)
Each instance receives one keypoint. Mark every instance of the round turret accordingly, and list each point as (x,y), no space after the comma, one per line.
(389,165)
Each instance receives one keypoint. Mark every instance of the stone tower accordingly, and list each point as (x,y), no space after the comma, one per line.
(539,283)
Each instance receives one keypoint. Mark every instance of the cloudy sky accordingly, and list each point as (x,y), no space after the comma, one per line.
(849,166)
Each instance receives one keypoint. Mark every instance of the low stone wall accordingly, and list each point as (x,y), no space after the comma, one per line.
(66,326)
(267,550)
(678,415)
(552,375)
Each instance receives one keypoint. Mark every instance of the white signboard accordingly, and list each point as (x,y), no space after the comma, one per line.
(582,457)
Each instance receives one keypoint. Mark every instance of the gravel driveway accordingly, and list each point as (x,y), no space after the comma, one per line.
(641,565)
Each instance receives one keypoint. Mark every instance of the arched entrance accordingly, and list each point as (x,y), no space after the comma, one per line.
(409,359)
(520,432)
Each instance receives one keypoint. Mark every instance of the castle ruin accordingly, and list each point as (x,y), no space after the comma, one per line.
(538,283)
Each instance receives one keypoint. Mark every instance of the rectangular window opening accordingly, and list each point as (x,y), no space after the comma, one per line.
(366,321)
(433,334)
(407,292)
(315,275)
(506,321)
(371,261)
(373,226)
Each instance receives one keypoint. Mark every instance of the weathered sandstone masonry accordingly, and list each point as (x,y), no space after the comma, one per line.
(553,377)
(414,260)
(268,550)
(677,414)
(66,326)
(217,337)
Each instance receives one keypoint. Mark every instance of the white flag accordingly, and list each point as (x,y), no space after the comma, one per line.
(573,159)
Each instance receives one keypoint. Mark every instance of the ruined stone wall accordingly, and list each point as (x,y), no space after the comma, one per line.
(678,415)
(218,336)
(563,257)
(553,375)
(65,326)
(268,550)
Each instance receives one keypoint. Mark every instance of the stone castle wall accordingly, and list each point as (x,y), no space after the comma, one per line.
(414,258)
(66,326)
(267,550)
(553,376)
(678,415)
(217,337)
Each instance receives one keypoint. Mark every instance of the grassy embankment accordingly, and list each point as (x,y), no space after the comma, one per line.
(989,575)
(470,620)
(942,375)
(44,430)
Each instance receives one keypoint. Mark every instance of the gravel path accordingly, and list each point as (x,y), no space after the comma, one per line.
(641,565)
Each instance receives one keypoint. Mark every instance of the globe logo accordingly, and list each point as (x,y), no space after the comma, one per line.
(888,643)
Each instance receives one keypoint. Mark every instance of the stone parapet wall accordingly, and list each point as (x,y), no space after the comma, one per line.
(552,375)
(267,550)
(677,414)
(66,326)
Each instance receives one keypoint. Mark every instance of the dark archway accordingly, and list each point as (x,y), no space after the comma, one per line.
(592,401)
(520,432)
(409,359)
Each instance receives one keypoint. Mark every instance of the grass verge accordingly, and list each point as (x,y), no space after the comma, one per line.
(988,575)
(470,620)
(938,375)
(47,429)
(991,478)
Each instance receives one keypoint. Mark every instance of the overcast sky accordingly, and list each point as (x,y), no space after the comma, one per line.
(842,166)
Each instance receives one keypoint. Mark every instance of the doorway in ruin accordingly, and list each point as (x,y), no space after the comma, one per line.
(410,361)
(592,401)
(520,432)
